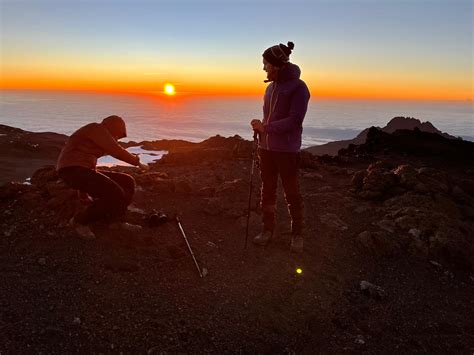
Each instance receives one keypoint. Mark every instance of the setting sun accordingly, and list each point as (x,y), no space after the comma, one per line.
(169,89)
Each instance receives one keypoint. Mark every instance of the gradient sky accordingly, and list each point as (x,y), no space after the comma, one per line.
(378,49)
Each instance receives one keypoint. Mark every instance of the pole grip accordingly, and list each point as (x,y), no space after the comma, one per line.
(256,135)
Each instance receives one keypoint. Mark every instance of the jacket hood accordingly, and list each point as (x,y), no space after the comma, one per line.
(289,72)
(115,125)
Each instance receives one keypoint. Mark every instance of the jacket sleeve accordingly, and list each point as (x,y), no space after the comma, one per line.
(105,141)
(298,108)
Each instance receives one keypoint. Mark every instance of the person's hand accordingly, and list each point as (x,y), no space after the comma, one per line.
(257,125)
(84,197)
(144,167)
(137,159)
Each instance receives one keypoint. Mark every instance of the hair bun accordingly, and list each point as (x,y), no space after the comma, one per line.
(291,45)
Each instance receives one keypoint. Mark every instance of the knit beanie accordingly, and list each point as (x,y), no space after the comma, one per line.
(279,55)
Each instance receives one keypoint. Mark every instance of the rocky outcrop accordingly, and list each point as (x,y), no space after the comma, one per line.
(23,152)
(412,143)
(423,209)
(395,124)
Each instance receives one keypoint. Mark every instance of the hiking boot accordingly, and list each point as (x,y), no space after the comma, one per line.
(82,231)
(297,244)
(263,238)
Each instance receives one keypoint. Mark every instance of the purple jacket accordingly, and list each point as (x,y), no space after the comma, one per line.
(284,108)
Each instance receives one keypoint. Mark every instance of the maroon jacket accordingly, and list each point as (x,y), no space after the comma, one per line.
(89,143)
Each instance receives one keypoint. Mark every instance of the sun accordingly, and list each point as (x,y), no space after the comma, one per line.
(169,89)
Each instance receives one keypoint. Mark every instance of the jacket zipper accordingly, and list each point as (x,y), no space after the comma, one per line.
(271,110)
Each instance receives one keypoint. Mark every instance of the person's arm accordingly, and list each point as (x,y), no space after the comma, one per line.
(102,137)
(298,108)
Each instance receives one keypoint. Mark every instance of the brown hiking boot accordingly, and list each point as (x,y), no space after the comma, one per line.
(297,244)
(263,238)
(83,231)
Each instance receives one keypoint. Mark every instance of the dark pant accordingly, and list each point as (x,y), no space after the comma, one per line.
(112,192)
(285,165)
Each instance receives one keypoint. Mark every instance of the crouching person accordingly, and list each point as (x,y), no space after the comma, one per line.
(111,192)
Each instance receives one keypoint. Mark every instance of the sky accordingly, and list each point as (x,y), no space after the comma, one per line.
(411,49)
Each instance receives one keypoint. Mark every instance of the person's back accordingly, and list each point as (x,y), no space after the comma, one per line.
(94,140)
(80,148)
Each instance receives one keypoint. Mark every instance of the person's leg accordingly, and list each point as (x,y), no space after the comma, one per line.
(288,165)
(269,176)
(126,182)
(109,197)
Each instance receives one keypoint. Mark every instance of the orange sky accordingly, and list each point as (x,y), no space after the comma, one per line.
(346,49)
(334,80)
(382,87)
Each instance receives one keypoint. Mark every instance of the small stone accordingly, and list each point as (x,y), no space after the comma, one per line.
(211,244)
(76,320)
(414,232)
(84,232)
(371,290)
(432,262)
(359,340)
(131,227)
(42,261)
(134,209)
(204,272)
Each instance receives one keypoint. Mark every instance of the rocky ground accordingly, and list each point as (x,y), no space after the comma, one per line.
(388,262)
(22,152)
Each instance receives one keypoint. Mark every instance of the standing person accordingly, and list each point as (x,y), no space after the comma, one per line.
(112,191)
(285,104)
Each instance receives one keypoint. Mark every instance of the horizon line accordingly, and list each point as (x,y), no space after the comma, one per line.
(178,95)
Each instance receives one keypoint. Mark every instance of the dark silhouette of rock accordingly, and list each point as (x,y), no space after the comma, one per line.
(23,152)
(396,123)
(413,143)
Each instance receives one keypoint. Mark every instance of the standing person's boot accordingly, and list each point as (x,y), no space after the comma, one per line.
(297,244)
(268,220)
(297,227)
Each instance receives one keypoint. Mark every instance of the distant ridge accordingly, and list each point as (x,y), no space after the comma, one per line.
(395,124)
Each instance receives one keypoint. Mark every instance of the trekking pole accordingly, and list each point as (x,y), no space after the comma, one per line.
(189,246)
(254,151)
